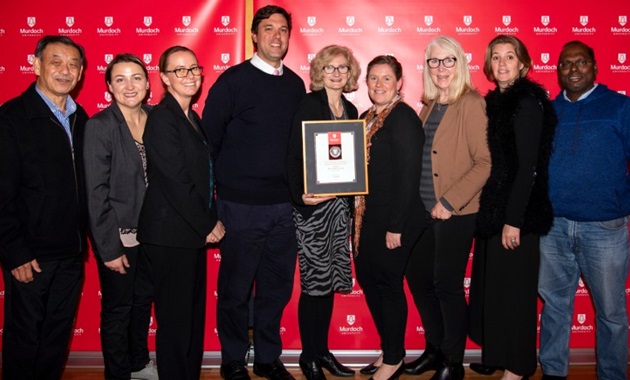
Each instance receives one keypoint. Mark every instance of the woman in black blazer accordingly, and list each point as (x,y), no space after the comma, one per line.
(115,175)
(178,217)
(323,223)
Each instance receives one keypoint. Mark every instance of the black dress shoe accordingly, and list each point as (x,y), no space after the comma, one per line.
(551,377)
(369,369)
(430,360)
(482,369)
(272,371)
(449,372)
(330,362)
(399,371)
(312,370)
(234,371)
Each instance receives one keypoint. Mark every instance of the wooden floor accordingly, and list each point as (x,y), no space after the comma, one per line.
(576,372)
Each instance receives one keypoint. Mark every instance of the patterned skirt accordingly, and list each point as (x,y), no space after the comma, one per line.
(324,249)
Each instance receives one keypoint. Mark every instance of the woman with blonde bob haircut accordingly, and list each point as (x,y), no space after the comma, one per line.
(455,166)
(324,57)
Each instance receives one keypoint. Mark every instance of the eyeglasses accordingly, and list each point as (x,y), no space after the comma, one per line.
(183,72)
(447,62)
(567,65)
(329,69)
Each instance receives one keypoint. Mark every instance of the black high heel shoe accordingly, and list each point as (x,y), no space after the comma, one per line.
(430,360)
(399,371)
(369,369)
(330,362)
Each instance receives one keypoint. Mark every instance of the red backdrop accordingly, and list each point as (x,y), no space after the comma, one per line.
(218,31)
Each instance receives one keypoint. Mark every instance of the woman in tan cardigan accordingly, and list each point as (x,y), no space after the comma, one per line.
(455,166)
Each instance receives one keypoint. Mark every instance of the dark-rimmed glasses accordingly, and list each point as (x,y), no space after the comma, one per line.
(580,64)
(329,69)
(447,62)
(182,72)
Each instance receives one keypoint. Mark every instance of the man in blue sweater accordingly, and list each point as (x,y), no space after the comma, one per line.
(589,188)
(247,117)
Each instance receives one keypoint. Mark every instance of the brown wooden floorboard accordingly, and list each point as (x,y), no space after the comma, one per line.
(576,372)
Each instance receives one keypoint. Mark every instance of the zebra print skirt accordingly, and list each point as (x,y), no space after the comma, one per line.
(324,248)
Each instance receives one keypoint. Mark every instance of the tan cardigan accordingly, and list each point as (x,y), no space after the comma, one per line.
(460,158)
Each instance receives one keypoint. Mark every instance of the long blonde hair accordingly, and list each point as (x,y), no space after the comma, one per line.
(461,82)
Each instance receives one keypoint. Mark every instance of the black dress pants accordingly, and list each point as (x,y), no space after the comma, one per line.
(435,275)
(39,318)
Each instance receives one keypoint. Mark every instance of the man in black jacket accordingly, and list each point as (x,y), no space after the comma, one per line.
(42,213)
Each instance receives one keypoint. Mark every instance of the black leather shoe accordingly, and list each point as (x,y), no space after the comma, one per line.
(330,362)
(430,360)
(369,369)
(482,369)
(551,377)
(312,370)
(234,371)
(272,371)
(399,371)
(449,372)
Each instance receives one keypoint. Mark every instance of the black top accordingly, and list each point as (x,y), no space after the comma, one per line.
(43,212)
(394,173)
(314,106)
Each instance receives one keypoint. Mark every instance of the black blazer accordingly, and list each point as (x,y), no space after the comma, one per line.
(176,210)
(114,178)
(314,106)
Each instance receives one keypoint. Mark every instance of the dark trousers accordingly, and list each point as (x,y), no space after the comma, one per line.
(314,315)
(380,272)
(259,250)
(179,280)
(435,275)
(38,320)
(125,315)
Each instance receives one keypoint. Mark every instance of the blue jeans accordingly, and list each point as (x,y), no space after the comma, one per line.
(599,252)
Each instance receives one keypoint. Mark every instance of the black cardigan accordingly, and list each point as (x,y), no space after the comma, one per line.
(314,106)
(521,124)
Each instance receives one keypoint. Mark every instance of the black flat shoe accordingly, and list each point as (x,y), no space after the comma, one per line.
(312,370)
(234,371)
(430,360)
(399,371)
(330,362)
(369,369)
(449,372)
(482,369)
(272,371)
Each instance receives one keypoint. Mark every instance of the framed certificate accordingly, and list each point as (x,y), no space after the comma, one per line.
(334,157)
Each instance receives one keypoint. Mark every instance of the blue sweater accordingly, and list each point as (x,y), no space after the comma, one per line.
(247,117)
(588,175)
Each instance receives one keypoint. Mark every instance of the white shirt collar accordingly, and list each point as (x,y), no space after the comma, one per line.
(264,66)
(584,95)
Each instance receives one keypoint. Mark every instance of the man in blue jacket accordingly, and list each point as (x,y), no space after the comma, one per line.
(42,214)
(589,188)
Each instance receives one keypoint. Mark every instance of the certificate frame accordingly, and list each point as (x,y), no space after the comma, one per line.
(334,165)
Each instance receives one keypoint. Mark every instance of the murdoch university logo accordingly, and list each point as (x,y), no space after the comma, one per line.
(468,57)
(186,20)
(350,20)
(544,57)
(507,19)
(109,21)
(351,318)
(30,58)
(584,20)
(311,21)
(389,20)
(581,318)
(108,58)
(31,21)
(225,20)
(623,20)
(225,57)
(147,58)
(467,20)
(69,21)
(621,57)
(148,20)
(309,58)
(107,96)
(428,20)
(545,20)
